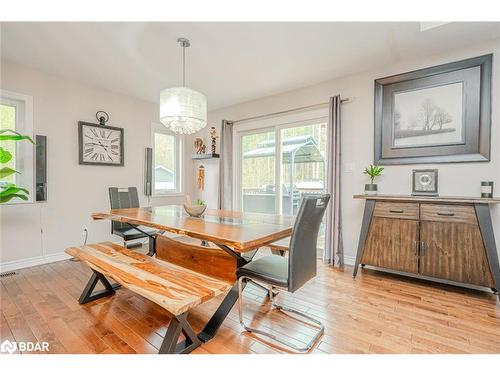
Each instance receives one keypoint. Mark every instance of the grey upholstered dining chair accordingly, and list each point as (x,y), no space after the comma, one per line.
(293,272)
(128,198)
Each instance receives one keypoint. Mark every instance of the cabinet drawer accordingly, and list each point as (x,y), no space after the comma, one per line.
(396,210)
(448,213)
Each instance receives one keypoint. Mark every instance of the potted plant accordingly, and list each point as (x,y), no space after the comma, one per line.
(372,171)
(9,190)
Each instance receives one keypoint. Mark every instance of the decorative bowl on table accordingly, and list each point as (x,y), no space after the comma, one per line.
(196,210)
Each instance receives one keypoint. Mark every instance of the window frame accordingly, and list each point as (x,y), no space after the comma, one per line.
(25,151)
(178,176)
(276,123)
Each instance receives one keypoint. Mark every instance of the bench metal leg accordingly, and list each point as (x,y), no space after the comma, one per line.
(88,295)
(179,324)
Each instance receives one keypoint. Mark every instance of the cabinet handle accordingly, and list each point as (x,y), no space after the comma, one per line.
(415,243)
(422,248)
(396,211)
(446,214)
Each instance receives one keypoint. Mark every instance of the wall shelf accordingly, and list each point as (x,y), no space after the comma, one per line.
(204,156)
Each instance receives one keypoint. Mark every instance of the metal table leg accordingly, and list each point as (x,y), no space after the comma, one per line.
(227,304)
(220,314)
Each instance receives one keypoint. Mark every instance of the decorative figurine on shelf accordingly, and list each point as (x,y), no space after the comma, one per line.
(199,145)
(200,178)
(213,137)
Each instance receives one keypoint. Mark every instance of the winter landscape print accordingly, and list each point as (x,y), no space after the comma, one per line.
(428,117)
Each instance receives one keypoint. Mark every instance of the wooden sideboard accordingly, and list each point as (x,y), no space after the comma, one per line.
(447,239)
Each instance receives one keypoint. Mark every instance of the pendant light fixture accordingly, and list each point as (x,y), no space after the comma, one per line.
(182,109)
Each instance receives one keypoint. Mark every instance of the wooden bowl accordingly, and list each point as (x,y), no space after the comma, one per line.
(195,211)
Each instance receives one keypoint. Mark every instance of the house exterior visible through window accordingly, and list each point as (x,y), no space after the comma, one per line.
(167,148)
(16,114)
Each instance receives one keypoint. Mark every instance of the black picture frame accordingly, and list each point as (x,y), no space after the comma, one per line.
(475,76)
(81,124)
(415,191)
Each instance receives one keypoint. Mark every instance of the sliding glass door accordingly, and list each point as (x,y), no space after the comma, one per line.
(280,164)
(258,173)
(303,163)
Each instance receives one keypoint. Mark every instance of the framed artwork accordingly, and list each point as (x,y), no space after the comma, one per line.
(435,115)
(100,144)
(425,182)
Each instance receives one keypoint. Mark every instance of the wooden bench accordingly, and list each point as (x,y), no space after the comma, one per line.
(172,287)
(279,247)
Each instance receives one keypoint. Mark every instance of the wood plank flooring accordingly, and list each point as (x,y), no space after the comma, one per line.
(375,313)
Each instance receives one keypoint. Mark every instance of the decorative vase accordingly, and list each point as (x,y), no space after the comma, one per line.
(370,189)
(195,211)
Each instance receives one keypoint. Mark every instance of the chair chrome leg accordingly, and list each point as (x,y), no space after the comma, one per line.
(275,292)
(282,309)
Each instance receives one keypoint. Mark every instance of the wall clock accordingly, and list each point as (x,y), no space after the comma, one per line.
(100,144)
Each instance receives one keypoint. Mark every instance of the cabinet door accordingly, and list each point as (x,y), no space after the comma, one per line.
(392,244)
(454,251)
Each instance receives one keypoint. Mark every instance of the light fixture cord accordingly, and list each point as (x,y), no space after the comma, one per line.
(183,65)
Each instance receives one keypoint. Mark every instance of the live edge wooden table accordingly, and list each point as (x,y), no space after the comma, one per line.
(229,240)
(444,239)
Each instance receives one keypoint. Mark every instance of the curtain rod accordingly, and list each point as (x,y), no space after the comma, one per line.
(287,111)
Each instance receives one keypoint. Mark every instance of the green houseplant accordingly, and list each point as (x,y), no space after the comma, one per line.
(9,190)
(372,171)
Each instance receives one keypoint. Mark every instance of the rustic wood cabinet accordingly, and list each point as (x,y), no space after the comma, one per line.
(446,239)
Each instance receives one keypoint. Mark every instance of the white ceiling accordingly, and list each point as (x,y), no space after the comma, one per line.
(229,62)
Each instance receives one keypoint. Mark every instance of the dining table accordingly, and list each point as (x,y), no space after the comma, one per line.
(215,244)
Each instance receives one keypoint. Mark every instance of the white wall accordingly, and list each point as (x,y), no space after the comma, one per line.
(357,138)
(39,232)
(75,190)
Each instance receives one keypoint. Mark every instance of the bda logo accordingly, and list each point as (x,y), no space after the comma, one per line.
(8,346)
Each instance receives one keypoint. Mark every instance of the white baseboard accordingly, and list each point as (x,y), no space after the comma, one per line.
(30,262)
(349,260)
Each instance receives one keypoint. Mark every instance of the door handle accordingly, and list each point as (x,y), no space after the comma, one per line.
(396,211)
(415,244)
(446,214)
(422,248)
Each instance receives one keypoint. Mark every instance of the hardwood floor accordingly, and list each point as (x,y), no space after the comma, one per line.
(375,313)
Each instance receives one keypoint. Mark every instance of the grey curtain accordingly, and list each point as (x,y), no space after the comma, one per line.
(334,251)
(226,166)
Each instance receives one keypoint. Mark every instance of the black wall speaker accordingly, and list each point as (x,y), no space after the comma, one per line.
(41,168)
(148,172)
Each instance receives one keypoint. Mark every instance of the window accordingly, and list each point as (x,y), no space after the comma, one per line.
(16,114)
(167,148)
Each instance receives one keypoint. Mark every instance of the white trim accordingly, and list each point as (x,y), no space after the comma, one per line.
(31,262)
(27,157)
(349,260)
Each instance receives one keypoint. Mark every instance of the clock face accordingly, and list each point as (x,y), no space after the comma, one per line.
(101,145)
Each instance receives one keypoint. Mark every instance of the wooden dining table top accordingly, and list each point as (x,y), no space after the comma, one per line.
(242,231)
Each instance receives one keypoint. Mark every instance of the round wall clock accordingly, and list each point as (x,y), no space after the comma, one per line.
(100,144)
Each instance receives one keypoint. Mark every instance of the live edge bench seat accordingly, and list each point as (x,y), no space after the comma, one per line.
(174,288)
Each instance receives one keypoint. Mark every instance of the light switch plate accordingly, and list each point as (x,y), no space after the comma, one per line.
(349,167)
